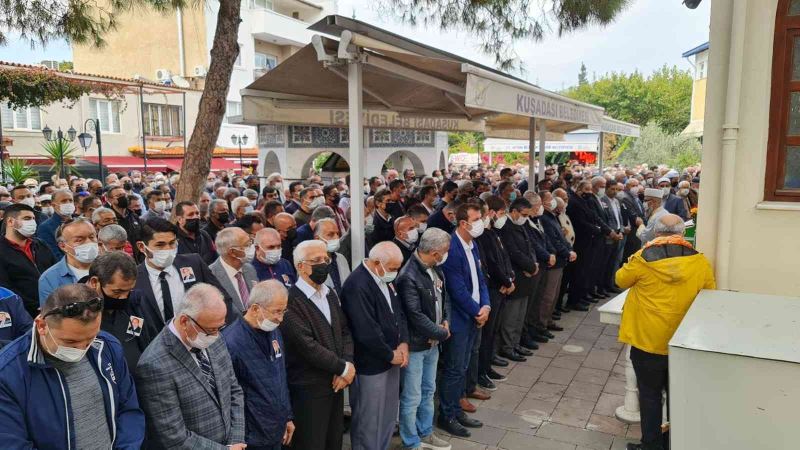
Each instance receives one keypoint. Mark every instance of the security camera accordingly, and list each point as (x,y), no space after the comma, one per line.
(691,4)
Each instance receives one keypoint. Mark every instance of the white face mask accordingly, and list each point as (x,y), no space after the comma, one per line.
(476,228)
(443,260)
(162,258)
(422,227)
(159,206)
(683,192)
(498,223)
(249,254)
(27,228)
(271,257)
(202,340)
(48,210)
(520,221)
(267,325)
(86,253)
(28,201)
(316,203)
(635,190)
(412,236)
(66,209)
(666,191)
(168,207)
(553,204)
(248,209)
(332,246)
(369,224)
(601,192)
(387,277)
(67,354)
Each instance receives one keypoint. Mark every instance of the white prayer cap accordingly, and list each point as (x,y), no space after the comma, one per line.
(653,193)
(663,180)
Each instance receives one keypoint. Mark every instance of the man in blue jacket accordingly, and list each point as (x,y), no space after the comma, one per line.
(469,299)
(14,320)
(63,209)
(66,384)
(256,347)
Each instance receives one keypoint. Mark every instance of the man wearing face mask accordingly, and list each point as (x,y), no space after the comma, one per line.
(654,210)
(78,242)
(305,232)
(683,190)
(25,258)
(406,235)
(191,239)
(327,231)
(444,218)
(218,217)
(64,208)
(310,199)
(319,352)
(671,202)
(269,262)
(187,385)
(629,199)
(470,310)
(257,351)
(118,202)
(165,276)
(233,268)
(395,202)
(66,384)
(332,197)
(156,206)
(382,221)
(24,196)
(113,276)
(551,284)
(380,337)
(286,226)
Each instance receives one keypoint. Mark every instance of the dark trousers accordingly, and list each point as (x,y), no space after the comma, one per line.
(652,378)
(474,359)
(318,417)
(566,279)
(534,304)
(490,331)
(602,252)
(457,351)
(581,273)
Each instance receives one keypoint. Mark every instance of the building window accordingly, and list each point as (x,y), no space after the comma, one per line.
(232,109)
(423,137)
(701,70)
(782,181)
(21,118)
(263,4)
(301,135)
(382,136)
(107,113)
(163,120)
(265,61)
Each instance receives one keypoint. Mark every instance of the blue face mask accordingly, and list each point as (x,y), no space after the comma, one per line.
(513,196)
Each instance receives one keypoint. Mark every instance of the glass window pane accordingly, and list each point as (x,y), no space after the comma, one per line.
(794,114)
(794,8)
(115,116)
(102,111)
(7,116)
(21,117)
(791,168)
(36,119)
(93,109)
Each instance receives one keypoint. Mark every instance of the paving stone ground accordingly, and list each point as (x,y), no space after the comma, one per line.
(559,399)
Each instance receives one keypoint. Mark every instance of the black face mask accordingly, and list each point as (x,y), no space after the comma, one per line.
(192,225)
(127,185)
(587,195)
(291,235)
(122,202)
(138,186)
(138,212)
(113,303)
(319,273)
(79,189)
(223,217)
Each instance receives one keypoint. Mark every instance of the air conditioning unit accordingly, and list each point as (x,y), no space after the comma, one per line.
(199,71)
(164,75)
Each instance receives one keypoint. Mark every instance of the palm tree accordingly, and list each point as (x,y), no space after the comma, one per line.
(18,171)
(60,150)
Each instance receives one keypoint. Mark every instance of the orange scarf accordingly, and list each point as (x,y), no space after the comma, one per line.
(668,240)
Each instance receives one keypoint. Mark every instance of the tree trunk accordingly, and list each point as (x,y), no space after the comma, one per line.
(197,158)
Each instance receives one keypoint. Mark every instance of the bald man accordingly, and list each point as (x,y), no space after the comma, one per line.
(406,235)
(286,227)
(380,338)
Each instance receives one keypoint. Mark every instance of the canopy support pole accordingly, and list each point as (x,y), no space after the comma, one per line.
(600,153)
(542,142)
(531,154)
(354,103)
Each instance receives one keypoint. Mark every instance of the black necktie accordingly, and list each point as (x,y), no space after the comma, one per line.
(166,297)
(208,372)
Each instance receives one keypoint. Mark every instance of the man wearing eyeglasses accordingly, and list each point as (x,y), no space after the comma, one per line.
(66,384)
(233,268)
(186,381)
(256,347)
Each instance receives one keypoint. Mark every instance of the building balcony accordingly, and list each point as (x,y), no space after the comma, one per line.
(276,28)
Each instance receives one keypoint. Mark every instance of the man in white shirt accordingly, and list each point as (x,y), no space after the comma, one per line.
(233,268)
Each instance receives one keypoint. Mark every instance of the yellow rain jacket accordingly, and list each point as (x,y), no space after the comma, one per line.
(664,279)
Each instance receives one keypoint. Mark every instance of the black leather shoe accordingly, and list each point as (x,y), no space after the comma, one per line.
(495,376)
(540,338)
(554,327)
(556,316)
(513,356)
(615,290)
(468,422)
(602,293)
(486,383)
(523,351)
(547,334)
(528,343)
(593,299)
(579,307)
(499,362)
(632,446)
(454,428)
(564,309)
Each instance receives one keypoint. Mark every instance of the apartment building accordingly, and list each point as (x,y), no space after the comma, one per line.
(698,58)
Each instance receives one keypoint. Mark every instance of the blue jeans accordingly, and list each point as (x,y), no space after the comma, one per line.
(457,352)
(416,399)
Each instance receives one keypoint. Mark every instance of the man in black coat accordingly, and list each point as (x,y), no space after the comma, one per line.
(406,235)
(117,200)
(444,217)
(545,256)
(380,338)
(563,253)
(499,273)
(587,232)
(423,295)
(633,207)
(191,239)
(24,258)
(382,220)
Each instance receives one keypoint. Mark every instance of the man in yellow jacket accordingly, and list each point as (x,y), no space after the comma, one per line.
(664,278)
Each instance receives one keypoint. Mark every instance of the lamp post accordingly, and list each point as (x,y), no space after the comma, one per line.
(240,140)
(86,141)
(48,135)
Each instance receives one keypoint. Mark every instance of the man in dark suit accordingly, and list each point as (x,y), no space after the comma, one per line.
(618,221)
(406,236)
(191,239)
(632,205)
(233,269)
(319,352)
(469,297)
(187,386)
(587,232)
(380,338)
(444,217)
(672,203)
(164,277)
(382,219)
(604,246)
(397,193)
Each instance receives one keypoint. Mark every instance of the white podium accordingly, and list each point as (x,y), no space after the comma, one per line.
(734,367)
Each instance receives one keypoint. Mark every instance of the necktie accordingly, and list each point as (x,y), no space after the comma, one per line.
(166,297)
(333,271)
(208,372)
(244,293)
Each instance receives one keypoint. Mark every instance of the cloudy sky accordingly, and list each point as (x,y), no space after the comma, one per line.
(647,35)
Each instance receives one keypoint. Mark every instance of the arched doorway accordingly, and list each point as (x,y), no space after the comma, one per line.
(329,165)
(402,160)
(271,164)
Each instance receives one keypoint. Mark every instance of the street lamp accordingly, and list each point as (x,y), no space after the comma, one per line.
(86,141)
(240,140)
(48,135)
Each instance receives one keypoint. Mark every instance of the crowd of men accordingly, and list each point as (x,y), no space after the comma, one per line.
(128,320)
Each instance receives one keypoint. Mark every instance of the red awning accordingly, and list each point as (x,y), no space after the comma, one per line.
(223,164)
(130,162)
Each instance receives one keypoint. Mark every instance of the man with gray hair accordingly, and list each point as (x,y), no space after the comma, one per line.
(654,210)
(256,347)
(188,388)
(233,268)
(380,336)
(423,296)
(327,231)
(305,232)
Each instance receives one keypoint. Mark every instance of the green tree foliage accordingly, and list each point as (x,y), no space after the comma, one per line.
(65,66)
(498,24)
(17,171)
(583,78)
(60,150)
(664,97)
(657,146)
(465,142)
(21,88)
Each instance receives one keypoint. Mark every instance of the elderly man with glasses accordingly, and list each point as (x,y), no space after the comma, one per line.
(66,383)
